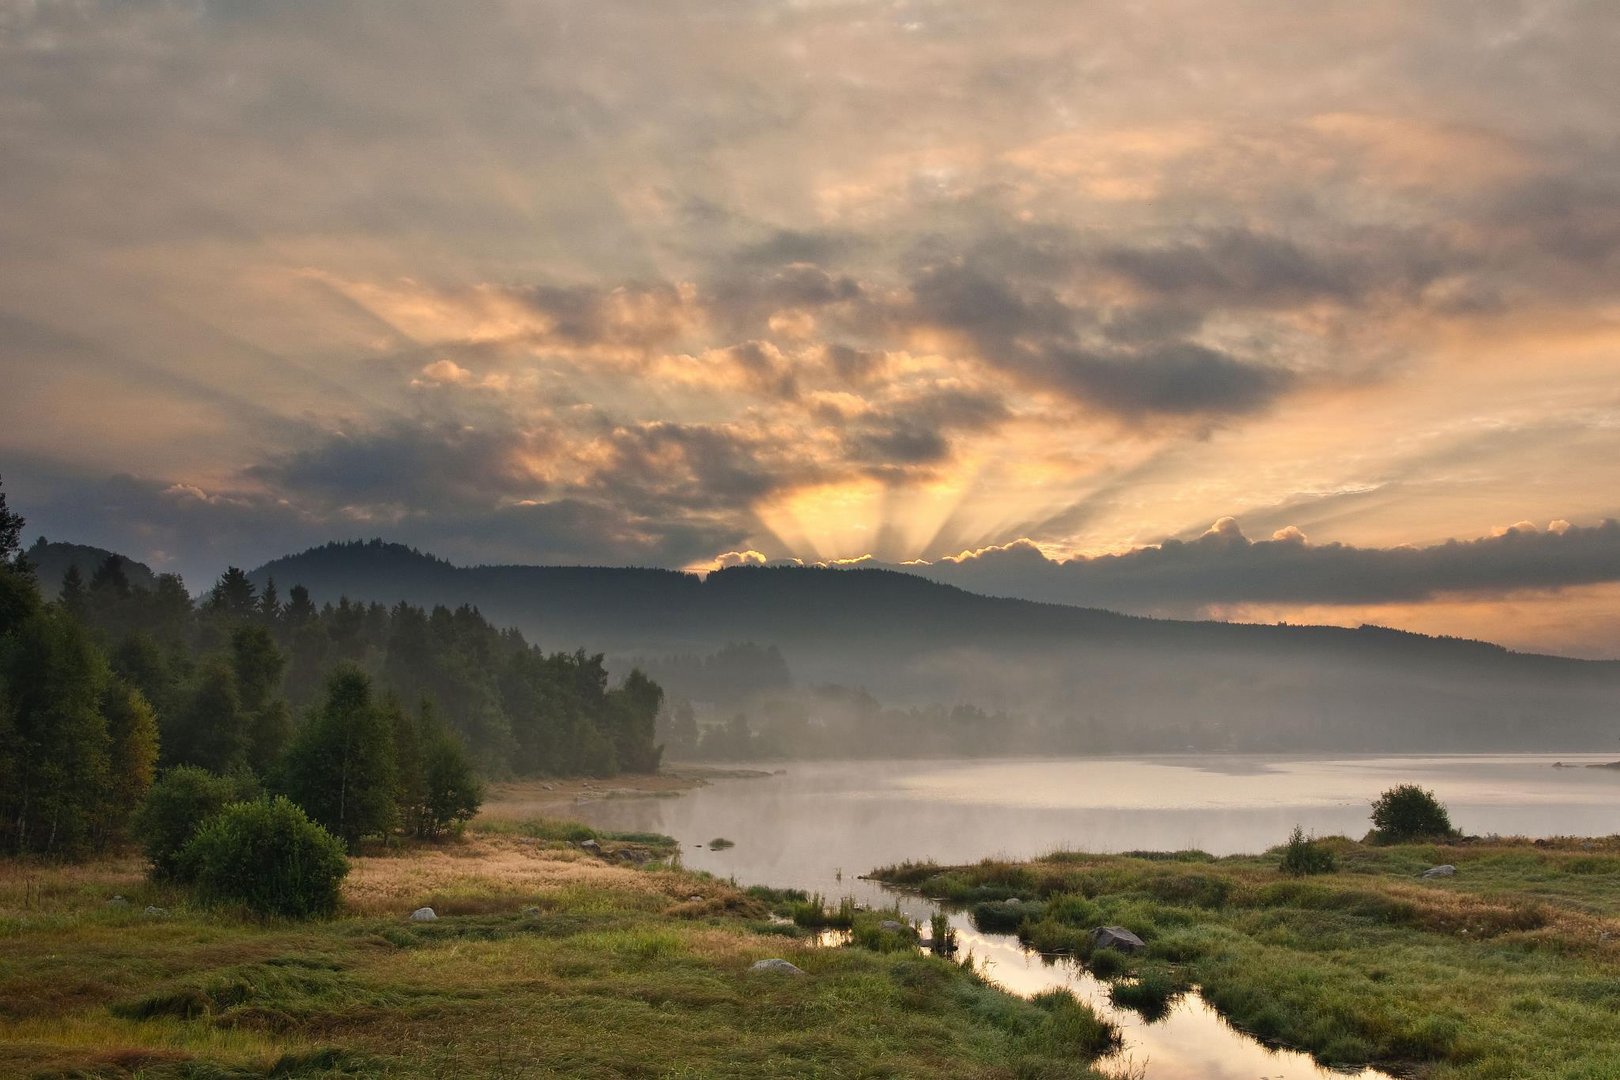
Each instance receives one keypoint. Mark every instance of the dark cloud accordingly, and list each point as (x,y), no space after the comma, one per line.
(1224,567)
(1237,266)
(1030,332)
(1174,379)
(698,468)
(425,465)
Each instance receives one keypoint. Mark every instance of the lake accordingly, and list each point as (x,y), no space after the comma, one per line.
(819,826)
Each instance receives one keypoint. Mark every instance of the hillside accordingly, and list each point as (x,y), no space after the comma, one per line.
(51,559)
(1118,681)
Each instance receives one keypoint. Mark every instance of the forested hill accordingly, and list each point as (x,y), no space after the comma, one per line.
(52,560)
(622,609)
(1118,681)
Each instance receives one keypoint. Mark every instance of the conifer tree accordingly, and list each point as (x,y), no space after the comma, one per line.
(341,766)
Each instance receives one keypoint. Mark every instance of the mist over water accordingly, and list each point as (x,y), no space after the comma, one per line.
(820,826)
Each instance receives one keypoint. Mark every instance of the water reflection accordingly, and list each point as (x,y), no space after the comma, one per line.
(819,826)
(1191,1042)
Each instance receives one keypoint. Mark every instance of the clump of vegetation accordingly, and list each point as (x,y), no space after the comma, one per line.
(183,798)
(1303,856)
(267,856)
(884,931)
(1408,812)
(1152,992)
(1003,916)
(942,939)
(815,913)
(720,843)
(1074,1025)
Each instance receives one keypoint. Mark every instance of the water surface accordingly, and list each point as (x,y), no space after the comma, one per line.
(819,826)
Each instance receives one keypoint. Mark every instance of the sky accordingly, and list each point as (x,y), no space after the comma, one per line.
(1258,311)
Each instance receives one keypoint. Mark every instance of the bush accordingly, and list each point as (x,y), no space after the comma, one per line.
(1302,856)
(268,856)
(177,805)
(1408,812)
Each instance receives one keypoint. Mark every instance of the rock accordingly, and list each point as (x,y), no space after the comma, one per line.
(777,966)
(1116,937)
(155,911)
(890,926)
(117,902)
(695,898)
(591,846)
(424,914)
(1439,871)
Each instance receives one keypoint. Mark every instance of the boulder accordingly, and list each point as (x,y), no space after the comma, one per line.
(1445,870)
(155,911)
(1116,937)
(424,914)
(591,846)
(777,966)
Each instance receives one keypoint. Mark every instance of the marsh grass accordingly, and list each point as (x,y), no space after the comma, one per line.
(545,962)
(1502,971)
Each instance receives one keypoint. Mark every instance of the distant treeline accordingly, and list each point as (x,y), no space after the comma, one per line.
(108,681)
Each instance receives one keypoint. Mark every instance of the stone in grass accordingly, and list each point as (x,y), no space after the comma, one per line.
(591,846)
(1116,937)
(118,902)
(424,914)
(1444,870)
(776,965)
(155,911)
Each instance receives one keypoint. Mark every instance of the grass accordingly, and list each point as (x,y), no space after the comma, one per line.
(547,961)
(1511,969)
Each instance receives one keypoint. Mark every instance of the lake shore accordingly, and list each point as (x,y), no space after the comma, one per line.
(547,958)
(519,800)
(1508,967)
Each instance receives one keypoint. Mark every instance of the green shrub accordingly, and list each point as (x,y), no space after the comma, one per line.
(1408,812)
(268,856)
(1303,856)
(177,805)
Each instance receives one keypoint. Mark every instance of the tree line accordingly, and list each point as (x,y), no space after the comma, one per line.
(373,719)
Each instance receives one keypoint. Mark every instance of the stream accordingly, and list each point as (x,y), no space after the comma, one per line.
(819,826)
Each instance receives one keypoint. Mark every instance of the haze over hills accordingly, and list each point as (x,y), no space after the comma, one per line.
(52,558)
(1111,681)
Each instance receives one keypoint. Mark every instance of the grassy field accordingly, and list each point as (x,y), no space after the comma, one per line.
(546,961)
(1509,971)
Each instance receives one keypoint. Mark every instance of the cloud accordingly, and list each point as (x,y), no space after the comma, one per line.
(808,279)
(1225,567)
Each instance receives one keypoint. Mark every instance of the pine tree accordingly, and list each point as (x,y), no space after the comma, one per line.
(341,766)
(233,595)
(72,597)
(209,729)
(54,758)
(132,734)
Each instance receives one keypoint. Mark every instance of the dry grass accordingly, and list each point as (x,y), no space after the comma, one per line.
(545,962)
